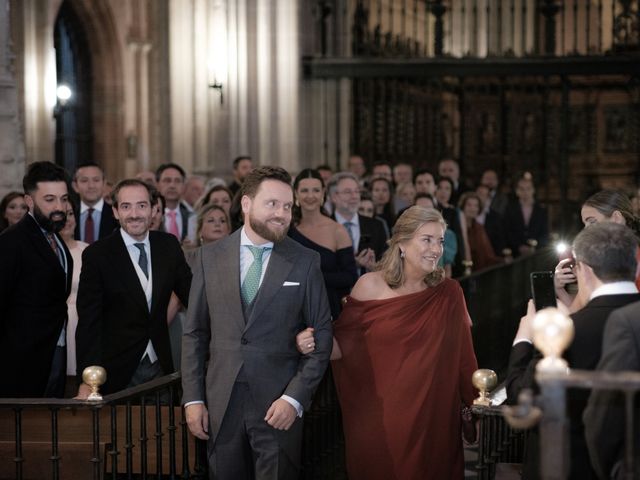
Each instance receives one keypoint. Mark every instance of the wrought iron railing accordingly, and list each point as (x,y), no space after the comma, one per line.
(554,425)
(498,442)
(496,299)
(139,432)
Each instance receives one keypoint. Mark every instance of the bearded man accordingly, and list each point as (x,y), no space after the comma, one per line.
(35,280)
(245,384)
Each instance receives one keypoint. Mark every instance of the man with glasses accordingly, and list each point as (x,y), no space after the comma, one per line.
(367,234)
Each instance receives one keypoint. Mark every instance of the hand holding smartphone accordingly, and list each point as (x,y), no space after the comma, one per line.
(543,290)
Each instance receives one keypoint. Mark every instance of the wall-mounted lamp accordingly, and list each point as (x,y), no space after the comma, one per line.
(218,86)
(63,95)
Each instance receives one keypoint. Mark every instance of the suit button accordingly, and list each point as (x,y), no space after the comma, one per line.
(244,341)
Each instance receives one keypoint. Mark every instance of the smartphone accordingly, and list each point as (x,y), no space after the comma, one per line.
(543,290)
(365,242)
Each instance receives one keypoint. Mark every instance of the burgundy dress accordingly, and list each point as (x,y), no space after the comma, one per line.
(405,370)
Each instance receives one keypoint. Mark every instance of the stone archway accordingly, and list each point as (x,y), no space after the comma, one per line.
(107,86)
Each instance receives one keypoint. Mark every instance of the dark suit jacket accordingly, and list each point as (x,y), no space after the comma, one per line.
(186,214)
(517,233)
(493,224)
(604,417)
(584,354)
(292,296)
(33,295)
(108,223)
(114,322)
(372,235)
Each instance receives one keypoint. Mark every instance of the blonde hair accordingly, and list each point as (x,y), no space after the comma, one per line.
(392,264)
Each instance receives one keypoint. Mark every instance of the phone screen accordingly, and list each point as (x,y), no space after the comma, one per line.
(365,242)
(543,290)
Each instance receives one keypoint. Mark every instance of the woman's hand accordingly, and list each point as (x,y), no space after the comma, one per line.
(305,342)
(563,274)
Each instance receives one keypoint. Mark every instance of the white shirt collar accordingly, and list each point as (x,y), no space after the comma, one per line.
(355,220)
(98,206)
(614,288)
(129,240)
(245,240)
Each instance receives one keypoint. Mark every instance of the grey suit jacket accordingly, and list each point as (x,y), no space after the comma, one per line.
(263,346)
(604,417)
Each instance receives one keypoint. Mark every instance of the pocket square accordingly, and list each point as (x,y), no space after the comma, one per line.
(291,284)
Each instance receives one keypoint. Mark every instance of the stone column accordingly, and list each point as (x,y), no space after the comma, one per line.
(12,151)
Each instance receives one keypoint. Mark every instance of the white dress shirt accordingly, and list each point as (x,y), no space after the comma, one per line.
(354,229)
(145,283)
(97,215)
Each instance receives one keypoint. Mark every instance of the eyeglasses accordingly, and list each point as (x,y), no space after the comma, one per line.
(348,192)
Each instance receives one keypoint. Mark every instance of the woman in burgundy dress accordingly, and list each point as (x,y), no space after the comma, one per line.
(405,360)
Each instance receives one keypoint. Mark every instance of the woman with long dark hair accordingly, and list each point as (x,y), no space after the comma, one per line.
(603,206)
(382,196)
(313,228)
(12,209)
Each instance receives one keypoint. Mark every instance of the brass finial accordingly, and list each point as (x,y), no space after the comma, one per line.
(94,376)
(485,381)
(552,334)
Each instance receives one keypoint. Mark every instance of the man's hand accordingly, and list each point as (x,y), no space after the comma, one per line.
(305,342)
(281,415)
(525,330)
(83,392)
(198,420)
(366,259)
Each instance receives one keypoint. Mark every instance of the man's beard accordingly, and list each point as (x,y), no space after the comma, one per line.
(265,232)
(48,223)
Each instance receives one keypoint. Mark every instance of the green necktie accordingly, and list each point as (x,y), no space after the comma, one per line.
(252,280)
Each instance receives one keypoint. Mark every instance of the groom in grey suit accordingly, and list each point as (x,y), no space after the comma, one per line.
(245,384)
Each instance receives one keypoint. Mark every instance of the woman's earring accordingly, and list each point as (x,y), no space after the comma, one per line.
(401,254)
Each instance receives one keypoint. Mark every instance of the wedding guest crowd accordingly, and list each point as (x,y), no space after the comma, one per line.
(280,266)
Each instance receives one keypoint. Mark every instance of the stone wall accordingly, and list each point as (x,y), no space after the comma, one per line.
(12,156)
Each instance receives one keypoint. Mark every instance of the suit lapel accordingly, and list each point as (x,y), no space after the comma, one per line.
(184,212)
(158,270)
(226,269)
(107,221)
(69,272)
(277,271)
(41,244)
(124,269)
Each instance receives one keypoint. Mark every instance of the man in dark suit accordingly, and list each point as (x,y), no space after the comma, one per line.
(605,269)
(96,218)
(178,220)
(604,418)
(367,234)
(239,355)
(125,286)
(35,280)
(449,168)
(242,166)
